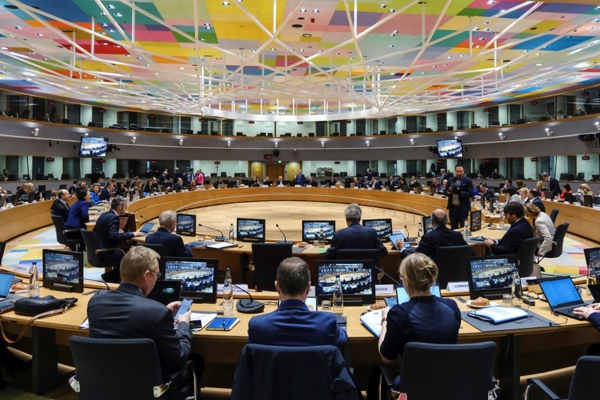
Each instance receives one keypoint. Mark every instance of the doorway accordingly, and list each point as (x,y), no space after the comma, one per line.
(274,171)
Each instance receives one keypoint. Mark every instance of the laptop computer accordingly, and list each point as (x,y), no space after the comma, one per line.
(562,296)
(403,297)
(165,292)
(147,227)
(6,281)
(548,194)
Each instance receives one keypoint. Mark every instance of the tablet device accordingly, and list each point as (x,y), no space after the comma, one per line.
(393,239)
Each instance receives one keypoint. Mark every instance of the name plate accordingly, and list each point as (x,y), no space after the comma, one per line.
(458,287)
(25,269)
(312,292)
(236,290)
(525,281)
(383,290)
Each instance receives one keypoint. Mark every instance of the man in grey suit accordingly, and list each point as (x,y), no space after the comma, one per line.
(126,313)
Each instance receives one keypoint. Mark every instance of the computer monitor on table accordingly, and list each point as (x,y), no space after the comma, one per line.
(426,221)
(357,278)
(382,226)
(251,230)
(318,230)
(62,270)
(491,276)
(197,276)
(475,221)
(186,224)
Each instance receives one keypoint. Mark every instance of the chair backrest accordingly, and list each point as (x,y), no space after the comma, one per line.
(266,257)
(2,248)
(553,215)
(526,255)
(91,245)
(358,254)
(447,363)
(452,264)
(557,242)
(115,368)
(585,379)
(159,248)
(59,225)
(292,373)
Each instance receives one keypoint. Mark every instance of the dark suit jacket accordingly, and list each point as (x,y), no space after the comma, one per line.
(293,324)
(299,179)
(554,186)
(107,232)
(512,239)
(539,203)
(489,194)
(126,314)
(60,209)
(78,215)
(465,195)
(440,236)
(355,236)
(173,244)
(104,194)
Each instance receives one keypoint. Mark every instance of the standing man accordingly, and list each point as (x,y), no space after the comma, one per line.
(60,206)
(520,229)
(460,192)
(300,178)
(126,313)
(443,175)
(355,236)
(553,184)
(173,244)
(110,237)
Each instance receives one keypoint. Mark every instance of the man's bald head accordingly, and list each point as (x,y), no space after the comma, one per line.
(439,218)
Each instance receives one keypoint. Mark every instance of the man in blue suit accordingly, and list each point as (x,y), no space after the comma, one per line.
(534,198)
(355,236)
(110,237)
(460,191)
(173,244)
(519,230)
(300,178)
(293,323)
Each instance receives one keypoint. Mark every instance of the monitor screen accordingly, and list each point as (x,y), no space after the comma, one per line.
(63,270)
(197,276)
(252,230)
(318,230)
(186,224)
(491,276)
(475,220)
(451,148)
(427,224)
(592,259)
(91,146)
(382,226)
(357,278)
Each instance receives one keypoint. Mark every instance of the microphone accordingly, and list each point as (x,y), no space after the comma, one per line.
(247,306)
(407,233)
(284,241)
(382,272)
(217,238)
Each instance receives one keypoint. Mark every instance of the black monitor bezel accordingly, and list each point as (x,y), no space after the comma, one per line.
(382,238)
(307,240)
(251,239)
(93,137)
(586,253)
(457,141)
(489,293)
(475,228)
(186,233)
(55,284)
(198,297)
(366,299)
(424,220)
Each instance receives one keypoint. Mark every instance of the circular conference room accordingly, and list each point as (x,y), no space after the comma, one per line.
(248,92)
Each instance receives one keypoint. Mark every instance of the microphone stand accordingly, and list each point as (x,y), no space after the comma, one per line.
(284,241)
(382,272)
(247,306)
(221,238)
(407,233)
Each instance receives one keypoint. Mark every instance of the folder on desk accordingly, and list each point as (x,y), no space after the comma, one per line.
(499,315)
(372,321)
(222,324)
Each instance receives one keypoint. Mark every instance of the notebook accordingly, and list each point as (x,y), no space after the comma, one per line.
(562,296)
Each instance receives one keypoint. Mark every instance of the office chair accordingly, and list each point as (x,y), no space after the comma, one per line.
(452,264)
(266,257)
(553,215)
(292,373)
(159,248)
(557,241)
(360,254)
(2,248)
(121,369)
(70,238)
(92,248)
(583,384)
(526,256)
(446,365)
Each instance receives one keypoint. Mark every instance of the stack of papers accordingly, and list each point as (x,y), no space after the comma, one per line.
(498,315)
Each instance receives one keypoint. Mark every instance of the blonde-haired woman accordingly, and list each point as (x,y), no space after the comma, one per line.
(543,227)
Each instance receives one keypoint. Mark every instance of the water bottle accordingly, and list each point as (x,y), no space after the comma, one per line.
(231,232)
(501,220)
(227,295)
(467,229)
(338,297)
(420,230)
(516,291)
(33,290)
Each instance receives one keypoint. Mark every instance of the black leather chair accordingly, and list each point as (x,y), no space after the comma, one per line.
(452,264)
(70,238)
(557,242)
(553,215)
(526,256)
(266,257)
(447,363)
(292,373)
(583,384)
(2,248)
(159,248)
(92,248)
(120,369)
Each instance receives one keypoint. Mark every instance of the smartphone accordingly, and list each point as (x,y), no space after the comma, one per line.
(184,307)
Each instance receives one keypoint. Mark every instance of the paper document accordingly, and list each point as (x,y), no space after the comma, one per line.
(372,321)
(221,245)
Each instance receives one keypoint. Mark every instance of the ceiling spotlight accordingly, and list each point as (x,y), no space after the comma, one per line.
(548,132)
(181,142)
(501,135)
(133,139)
(322,145)
(35,132)
(229,143)
(412,142)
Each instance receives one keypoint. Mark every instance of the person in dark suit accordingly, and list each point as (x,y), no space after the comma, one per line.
(73,188)
(293,323)
(110,236)
(553,184)
(439,236)
(173,244)
(177,175)
(443,175)
(78,213)
(459,192)
(534,198)
(279,182)
(178,187)
(392,182)
(508,186)
(331,181)
(164,179)
(106,192)
(486,192)
(300,178)
(355,236)
(60,206)
(374,184)
(442,189)
(369,175)
(519,230)
(126,313)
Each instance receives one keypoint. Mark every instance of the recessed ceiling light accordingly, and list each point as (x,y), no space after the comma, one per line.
(450,57)
(181,67)
(337,54)
(39,34)
(382,6)
(539,64)
(111,6)
(225,3)
(391,45)
(18,27)
(307,35)
(273,49)
(118,15)
(315,11)
(104,24)
(3,48)
(156,73)
(391,10)
(320,51)
(303,10)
